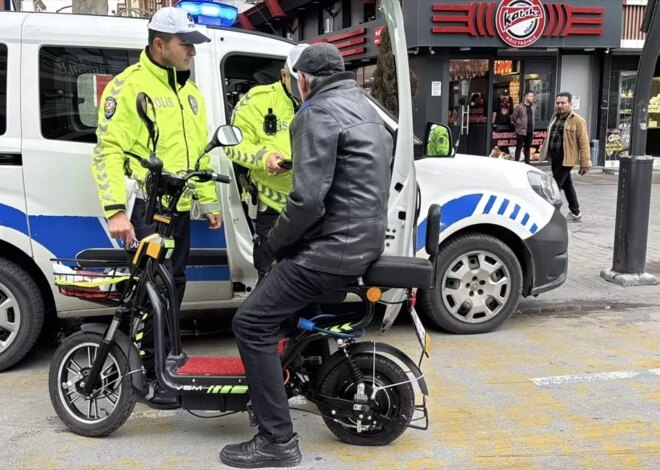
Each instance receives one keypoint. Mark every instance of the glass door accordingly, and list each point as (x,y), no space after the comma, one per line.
(507,94)
(468,104)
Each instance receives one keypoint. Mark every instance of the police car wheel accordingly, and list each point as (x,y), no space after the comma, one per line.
(478,285)
(21,313)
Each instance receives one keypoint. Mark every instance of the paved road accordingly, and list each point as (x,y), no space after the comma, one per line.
(498,400)
(570,381)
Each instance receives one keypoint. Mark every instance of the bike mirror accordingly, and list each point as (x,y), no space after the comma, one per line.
(225,136)
(147,112)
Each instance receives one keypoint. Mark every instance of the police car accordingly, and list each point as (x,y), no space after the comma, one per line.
(502,236)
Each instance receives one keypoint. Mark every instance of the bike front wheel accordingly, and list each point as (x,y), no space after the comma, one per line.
(113,397)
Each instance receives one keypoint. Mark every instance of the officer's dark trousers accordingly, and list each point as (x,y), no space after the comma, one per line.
(176,265)
(562,175)
(285,290)
(260,257)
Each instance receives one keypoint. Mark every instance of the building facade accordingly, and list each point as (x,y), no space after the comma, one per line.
(467,53)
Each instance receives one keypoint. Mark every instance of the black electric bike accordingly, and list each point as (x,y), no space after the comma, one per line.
(364,390)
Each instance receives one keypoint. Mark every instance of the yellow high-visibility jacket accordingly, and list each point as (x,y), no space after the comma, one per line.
(249,116)
(181,123)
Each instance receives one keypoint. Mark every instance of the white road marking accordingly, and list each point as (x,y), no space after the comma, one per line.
(573,379)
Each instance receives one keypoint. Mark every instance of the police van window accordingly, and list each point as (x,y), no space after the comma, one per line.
(71,81)
(242,72)
(3,88)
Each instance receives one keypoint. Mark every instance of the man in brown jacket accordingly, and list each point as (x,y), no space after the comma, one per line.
(524,118)
(567,145)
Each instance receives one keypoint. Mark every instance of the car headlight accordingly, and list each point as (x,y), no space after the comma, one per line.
(545,186)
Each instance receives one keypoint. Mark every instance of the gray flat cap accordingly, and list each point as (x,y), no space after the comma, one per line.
(320,59)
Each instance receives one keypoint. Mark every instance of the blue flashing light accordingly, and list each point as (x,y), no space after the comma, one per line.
(210,13)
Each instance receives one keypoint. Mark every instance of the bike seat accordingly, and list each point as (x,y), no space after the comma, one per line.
(400,271)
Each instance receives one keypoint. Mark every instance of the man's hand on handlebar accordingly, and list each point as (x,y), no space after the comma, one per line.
(214,221)
(120,227)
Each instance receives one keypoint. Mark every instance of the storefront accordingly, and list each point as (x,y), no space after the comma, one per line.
(475,61)
(620,80)
(466,53)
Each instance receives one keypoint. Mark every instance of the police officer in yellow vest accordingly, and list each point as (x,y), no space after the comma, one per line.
(163,73)
(264,115)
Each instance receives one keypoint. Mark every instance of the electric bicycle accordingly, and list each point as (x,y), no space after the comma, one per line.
(365,391)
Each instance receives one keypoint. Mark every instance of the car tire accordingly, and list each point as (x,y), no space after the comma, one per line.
(21,313)
(478,285)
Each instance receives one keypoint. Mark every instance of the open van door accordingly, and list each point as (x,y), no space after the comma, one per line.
(403,186)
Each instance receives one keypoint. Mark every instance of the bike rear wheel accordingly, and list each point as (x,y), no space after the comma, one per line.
(396,403)
(113,398)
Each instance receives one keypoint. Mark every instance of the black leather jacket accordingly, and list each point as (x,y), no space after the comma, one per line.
(335,216)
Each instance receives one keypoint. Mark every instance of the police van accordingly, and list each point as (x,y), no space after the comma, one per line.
(502,235)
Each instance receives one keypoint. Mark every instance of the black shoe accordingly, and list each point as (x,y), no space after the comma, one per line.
(158,398)
(260,452)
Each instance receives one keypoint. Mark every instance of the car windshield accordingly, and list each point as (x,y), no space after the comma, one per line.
(391,116)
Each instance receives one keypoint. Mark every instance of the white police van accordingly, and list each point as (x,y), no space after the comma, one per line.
(502,235)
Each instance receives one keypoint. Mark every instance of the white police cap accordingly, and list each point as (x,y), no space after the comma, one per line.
(177,21)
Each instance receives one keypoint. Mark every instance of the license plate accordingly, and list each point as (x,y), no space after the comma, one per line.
(423,338)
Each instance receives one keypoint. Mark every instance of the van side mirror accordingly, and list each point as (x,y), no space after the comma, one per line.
(438,141)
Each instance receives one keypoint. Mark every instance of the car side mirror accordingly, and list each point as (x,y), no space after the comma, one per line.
(438,141)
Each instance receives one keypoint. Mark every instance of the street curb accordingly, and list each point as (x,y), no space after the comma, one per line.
(537,307)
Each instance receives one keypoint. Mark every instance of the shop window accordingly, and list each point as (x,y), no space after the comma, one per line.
(3,89)
(369,10)
(328,21)
(71,81)
(365,77)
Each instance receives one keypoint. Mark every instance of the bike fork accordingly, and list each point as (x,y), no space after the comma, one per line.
(101,355)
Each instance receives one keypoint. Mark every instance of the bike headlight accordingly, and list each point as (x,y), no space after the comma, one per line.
(545,186)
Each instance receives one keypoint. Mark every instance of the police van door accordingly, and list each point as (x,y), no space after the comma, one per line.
(13,219)
(65,71)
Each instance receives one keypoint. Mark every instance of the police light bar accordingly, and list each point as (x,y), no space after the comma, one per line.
(210,13)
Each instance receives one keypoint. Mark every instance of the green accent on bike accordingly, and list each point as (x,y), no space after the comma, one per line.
(239,389)
(225,389)
(139,336)
(169,243)
(340,328)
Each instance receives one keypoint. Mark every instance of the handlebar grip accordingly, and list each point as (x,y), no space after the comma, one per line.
(218,178)
(152,163)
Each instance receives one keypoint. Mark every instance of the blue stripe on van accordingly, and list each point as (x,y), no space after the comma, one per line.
(503,207)
(524,220)
(490,204)
(451,212)
(66,236)
(515,212)
(208,273)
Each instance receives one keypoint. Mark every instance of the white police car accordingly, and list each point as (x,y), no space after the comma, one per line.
(502,235)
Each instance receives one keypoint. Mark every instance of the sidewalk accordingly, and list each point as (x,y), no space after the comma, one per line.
(590,250)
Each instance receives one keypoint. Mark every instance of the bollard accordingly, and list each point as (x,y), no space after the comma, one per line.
(632,223)
(595,150)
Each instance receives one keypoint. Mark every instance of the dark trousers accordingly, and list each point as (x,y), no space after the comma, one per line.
(285,290)
(176,265)
(260,257)
(562,175)
(526,142)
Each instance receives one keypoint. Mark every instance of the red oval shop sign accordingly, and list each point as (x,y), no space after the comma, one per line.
(520,23)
